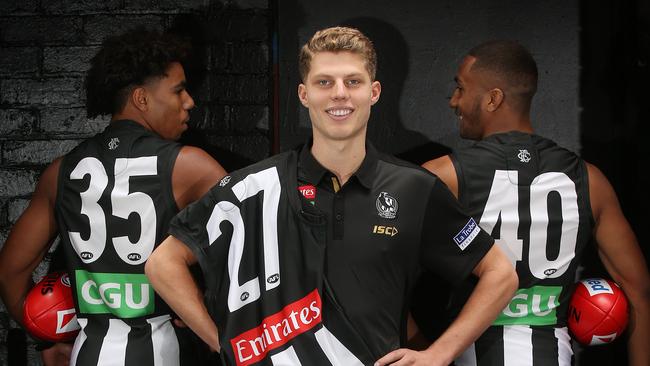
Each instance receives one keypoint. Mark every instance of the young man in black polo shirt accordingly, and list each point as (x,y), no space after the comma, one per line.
(309,256)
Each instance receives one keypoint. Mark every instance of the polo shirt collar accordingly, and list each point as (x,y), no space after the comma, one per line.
(313,172)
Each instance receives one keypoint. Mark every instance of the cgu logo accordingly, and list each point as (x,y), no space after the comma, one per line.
(386,230)
(521,306)
(532,306)
(127,295)
(114,295)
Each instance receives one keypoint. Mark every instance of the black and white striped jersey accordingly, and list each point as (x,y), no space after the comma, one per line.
(533,197)
(263,251)
(113,207)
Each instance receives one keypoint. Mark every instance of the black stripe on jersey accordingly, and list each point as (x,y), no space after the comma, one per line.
(489,348)
(89,352)
(545,350)
(306,349)
(139,349)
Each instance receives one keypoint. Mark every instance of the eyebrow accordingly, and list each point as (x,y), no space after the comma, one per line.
(180,86)
(351,75)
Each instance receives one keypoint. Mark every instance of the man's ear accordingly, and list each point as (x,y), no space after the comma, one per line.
(302,95)
(139,98)
(495,98)
(375,88)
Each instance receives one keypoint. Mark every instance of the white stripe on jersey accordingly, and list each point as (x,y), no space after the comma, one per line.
(517,345)
(288,357)
(564,350)
(113,351)
(79,341)
(335,350)
(518,348)
(165,343)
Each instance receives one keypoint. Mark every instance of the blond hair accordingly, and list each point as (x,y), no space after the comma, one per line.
(338,39)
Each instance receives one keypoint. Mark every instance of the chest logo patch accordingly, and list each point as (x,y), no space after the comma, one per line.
(113,143)
(386,206)
(524,156)
(308,191)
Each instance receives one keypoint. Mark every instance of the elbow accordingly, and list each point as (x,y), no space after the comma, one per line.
(512,281)
(151,267)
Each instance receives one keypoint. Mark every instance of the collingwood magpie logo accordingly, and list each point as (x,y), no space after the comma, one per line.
(114,143)
(386,206)
(224,181)
(524,156)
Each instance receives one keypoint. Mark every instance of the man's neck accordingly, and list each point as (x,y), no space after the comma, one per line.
(502,125)
(342,158)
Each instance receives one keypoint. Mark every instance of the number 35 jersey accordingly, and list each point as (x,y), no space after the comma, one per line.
(533,197)
(113,207)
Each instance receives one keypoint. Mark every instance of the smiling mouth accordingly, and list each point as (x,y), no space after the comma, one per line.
(339,112)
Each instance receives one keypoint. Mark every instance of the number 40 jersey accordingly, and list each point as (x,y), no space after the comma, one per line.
(533,197)
(113,206)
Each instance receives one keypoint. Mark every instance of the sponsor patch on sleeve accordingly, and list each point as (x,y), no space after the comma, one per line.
(467,234)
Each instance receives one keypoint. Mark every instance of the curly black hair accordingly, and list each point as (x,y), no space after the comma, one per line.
(126,61)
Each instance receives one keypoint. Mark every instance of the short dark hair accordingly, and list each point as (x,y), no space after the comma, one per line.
(511,63)
(126,61)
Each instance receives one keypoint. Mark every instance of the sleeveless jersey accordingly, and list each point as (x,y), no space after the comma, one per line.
(263,252)
(113,207)
(533,197)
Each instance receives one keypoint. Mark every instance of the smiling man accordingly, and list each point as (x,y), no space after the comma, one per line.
(544,203)
(309,256)
(110,200)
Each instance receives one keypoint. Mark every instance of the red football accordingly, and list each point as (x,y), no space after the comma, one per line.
(598,312)
(48,311)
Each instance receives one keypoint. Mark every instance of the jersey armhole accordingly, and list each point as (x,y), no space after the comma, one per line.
(169,187)
(585,173)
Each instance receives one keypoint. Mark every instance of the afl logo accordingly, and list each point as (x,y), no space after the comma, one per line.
(65,280)
(225,180)
(244,296)
(386,206)
(550,271)
(273,278)
(86,255)
(134,257)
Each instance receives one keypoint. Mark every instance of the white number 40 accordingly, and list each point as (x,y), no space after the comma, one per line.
(504,201)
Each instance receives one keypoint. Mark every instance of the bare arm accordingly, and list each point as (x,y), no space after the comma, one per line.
(28,242)
(444,169)
(168,271)
(621,255)
(195,172)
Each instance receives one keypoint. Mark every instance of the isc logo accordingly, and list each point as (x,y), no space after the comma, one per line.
(386,230)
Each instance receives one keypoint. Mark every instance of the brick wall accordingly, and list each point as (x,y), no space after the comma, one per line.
(44,51)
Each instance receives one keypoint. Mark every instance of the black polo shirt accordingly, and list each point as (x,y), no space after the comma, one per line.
(385,224)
